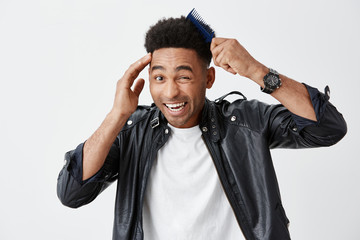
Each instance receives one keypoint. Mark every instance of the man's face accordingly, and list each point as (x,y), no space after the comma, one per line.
(178,82)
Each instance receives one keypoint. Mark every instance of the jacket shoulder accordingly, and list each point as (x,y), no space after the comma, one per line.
(243,106)
(143,113)
(252,114)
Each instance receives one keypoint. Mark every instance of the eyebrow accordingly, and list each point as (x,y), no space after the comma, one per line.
(183,67)
(177,69)
(156,67)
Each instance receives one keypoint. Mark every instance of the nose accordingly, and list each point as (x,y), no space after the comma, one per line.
(171,90)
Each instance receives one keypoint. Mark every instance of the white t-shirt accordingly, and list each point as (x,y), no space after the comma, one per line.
(184,198)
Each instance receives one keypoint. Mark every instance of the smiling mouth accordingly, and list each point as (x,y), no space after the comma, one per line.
(175,107)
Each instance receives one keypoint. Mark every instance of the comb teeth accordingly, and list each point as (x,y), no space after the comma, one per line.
(201,25)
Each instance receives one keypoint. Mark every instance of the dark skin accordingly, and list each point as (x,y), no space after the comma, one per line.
(231,56)
(178,82)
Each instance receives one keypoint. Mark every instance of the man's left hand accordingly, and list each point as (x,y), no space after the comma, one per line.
(233,57)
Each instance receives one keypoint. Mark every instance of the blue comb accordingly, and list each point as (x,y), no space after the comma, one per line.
(201,25)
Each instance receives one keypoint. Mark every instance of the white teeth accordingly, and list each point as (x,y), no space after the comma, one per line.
(175,107)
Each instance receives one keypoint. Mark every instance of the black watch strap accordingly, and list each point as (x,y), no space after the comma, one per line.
(266,90)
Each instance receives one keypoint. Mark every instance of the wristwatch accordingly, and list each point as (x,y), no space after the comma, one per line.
(272,81)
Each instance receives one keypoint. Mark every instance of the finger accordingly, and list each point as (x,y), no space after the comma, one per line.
(221,59)
(217,41)
(214,60)
(139,85)
(134,70)
(228,68)
(223,62)
(215,53)
(231,70)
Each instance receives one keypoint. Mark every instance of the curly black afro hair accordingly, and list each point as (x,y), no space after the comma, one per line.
(177,33)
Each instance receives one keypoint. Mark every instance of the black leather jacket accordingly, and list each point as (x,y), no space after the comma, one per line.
(238,136)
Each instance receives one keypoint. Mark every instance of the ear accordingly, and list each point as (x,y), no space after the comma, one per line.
(210,77)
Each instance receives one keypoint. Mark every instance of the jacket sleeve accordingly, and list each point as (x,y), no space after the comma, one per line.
(287,130)
(72,190)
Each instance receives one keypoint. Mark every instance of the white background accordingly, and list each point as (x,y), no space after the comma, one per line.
(59,63)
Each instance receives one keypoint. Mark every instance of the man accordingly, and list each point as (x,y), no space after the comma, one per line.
(187,167)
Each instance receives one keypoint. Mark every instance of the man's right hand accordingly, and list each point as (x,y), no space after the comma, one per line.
(126,99)
(97,147)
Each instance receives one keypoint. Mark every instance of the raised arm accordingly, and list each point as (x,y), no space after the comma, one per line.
(98,145)
(233,57)
(92,166)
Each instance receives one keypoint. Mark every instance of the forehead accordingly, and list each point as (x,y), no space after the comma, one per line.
(173,57)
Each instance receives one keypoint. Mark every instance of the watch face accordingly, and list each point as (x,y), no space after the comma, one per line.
(272,81)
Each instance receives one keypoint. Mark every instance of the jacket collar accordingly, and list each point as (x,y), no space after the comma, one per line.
(158,118)
(209,123)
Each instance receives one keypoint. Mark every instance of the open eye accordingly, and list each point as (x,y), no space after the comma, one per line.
(159,78)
